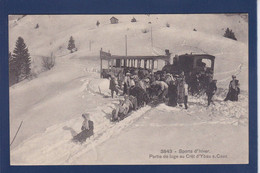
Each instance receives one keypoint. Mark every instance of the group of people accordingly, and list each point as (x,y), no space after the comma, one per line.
(171,89)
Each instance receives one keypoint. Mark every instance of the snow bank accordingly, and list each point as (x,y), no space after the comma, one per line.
(100,86)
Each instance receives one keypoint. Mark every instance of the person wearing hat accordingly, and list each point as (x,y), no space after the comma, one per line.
(127,83)
(180,90)
(234,90)
(132,81)
(172,93)
(87,129)
(168,78)
(186,92)
(113,86)
(211,89)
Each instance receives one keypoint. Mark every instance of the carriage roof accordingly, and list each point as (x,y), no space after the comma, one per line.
(202,56)
(108,56)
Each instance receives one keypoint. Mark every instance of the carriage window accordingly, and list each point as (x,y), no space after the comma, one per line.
(142,64)
(135,63)
(206,62)
(118,63)
(156,64)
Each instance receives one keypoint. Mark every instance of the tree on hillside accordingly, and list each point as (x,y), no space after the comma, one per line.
(97,23)
(230,34)
(13,78)
(48,62)
(71,45)
(133,20)
(21,59)
(37,26)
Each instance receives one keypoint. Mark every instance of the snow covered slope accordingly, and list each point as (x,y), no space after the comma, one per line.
(51,105)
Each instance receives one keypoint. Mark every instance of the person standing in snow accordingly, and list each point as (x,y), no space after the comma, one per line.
(127,83)
(180,91)
(121,78)
(87,129)
(186,92)
(168,78)
(112,86)
(172,93)
(132,81)
(211,90)
(234,90)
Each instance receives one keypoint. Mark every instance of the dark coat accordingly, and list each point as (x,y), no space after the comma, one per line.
(112,85)
(180,91)
(141,96)
(232,94)
(172,93)
(85,133)
(211,88)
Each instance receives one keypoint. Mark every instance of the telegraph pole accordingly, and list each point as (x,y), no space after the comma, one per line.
(152,37)
(125,45)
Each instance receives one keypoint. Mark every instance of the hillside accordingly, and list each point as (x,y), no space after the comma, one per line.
(54,32)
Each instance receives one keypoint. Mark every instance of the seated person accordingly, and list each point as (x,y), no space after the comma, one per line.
(124,107)
(87,129)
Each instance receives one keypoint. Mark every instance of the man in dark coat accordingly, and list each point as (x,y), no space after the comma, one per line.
(172,93)
(126,83)
(211,89)
(180,90)
(112,86)
(234,90)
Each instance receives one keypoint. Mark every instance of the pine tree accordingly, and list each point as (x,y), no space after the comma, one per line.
(22,61)
(37,26)
(12,70)
(133,20)
(71,45)
(97,23)
(230,34)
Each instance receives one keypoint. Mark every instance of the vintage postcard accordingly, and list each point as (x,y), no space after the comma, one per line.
(129,89)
